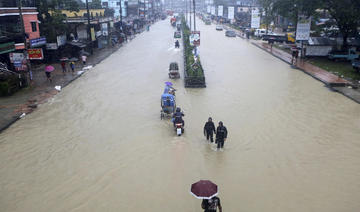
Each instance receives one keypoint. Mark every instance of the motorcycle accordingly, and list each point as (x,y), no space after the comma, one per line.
(179,129)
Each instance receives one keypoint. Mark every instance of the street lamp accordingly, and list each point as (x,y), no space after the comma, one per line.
(194,15)
(88,27)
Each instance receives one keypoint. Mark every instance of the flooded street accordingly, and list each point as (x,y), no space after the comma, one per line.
(100,145)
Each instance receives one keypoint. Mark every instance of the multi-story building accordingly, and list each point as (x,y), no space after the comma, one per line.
(10,27)
(11,30)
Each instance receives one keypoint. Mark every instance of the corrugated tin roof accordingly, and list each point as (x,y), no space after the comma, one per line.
(320,41)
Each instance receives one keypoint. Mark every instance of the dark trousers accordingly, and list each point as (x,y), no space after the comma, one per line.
(220,143)
(209,135)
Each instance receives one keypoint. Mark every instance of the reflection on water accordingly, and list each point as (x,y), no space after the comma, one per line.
(100,144)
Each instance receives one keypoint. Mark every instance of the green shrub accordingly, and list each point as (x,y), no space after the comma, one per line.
(4,88)
(188,53)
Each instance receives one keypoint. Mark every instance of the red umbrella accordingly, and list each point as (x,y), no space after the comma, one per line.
(49,68)
(204,189)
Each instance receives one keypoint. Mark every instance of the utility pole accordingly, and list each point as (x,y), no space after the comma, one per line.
(194,15)
(88,26)
(139,8)
(190,13)
(120,13)
(28,65)
(186,16)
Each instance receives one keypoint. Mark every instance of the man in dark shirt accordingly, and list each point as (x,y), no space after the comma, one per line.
(211,205)
(209,130)
(221,135)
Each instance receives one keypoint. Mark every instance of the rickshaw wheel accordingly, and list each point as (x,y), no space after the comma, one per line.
(161,115)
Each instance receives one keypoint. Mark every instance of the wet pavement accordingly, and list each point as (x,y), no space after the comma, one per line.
(318,73)
(26,100)
(99,145)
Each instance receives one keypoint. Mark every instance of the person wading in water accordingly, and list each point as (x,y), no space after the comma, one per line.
(221,135)
(209,130)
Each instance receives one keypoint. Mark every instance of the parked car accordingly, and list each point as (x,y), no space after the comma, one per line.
(219,28)
(230,33)
(343,55)
(356,65)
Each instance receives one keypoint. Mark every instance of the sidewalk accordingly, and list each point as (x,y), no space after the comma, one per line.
(26,100)
(334,82)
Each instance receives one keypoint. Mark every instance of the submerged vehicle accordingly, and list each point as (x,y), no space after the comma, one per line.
(219,28)
(177,34)
(179,128)
(168,105)
(174,70)
(230,33)
(178,122)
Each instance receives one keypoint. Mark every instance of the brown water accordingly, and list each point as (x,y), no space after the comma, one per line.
(100,144)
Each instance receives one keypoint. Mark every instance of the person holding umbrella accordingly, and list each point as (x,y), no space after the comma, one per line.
(48,70)
(207,191)
(211,205)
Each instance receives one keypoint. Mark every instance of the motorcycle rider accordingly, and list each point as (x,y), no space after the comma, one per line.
(177,44)
(178,117)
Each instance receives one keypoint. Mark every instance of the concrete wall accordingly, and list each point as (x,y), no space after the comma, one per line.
(318,50)
(27,24)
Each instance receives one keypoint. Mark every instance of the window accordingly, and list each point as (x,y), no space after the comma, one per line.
(117,3)
(105,4)
(33,26)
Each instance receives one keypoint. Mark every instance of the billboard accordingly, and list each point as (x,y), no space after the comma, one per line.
(220,10)
(35,54)
(231,13)
(255,19)
(37,42)
(61,40)
(195,38)
(303,28)
(208,9)
(212,10)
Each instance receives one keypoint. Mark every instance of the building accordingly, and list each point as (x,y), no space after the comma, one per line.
(11,30)
(10,27)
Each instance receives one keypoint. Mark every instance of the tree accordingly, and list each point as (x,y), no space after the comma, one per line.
(269,12)
(109,12)
(346,15)
(95,4)
(292,9)
(52,21)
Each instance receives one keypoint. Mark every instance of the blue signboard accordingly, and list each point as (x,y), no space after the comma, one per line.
(38,42)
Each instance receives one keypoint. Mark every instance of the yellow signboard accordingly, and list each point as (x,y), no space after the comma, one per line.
(92,31)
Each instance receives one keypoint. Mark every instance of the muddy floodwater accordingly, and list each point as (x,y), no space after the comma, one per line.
(99,145)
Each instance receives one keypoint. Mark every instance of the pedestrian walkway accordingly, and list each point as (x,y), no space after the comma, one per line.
(334,82)
(314,71)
